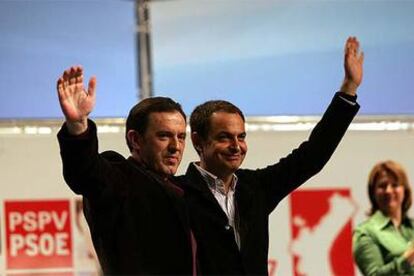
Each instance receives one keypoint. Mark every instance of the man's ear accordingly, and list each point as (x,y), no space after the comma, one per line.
(134,139)
(196,140)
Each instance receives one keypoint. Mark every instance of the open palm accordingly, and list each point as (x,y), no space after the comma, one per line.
(76,102)
(353,62)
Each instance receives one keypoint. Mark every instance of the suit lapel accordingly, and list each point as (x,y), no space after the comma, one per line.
(243,200)
(195,183)
(176,201)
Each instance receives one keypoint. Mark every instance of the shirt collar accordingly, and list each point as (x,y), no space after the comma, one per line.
(213,181)
(382,221)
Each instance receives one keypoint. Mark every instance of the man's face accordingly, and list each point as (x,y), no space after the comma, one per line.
(224,149)
(162,145)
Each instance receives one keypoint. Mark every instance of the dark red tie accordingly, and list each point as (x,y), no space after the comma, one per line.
(180,193)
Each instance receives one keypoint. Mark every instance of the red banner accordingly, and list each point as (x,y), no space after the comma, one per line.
(38,234)
(321,223)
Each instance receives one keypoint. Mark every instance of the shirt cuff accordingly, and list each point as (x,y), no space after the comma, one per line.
(348,98)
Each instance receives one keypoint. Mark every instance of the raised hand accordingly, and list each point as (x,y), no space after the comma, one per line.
(353,64)
(76,102)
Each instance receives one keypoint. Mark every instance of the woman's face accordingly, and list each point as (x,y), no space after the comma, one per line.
(389,194)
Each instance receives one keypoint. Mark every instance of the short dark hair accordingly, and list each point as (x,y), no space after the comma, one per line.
(138,115)
(200,117)
(396,171)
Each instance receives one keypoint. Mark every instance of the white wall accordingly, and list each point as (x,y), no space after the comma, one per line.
(31,169)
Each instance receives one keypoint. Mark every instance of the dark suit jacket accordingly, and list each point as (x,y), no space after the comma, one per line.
(257,193)
(138,224)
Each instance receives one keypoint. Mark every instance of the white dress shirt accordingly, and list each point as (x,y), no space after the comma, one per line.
(226,201)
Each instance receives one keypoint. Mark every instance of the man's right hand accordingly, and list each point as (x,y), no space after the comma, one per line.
(76,102)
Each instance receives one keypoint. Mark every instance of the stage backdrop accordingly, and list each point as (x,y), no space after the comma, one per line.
(269,57)
(43,230)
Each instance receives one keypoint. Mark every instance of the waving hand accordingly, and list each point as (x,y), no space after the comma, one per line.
(76,102)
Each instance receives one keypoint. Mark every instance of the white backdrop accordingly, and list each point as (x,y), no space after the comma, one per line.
(31,170)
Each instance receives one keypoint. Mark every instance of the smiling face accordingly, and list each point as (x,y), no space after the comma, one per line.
(389,194)
(161,147)
(223,150)
(389,189)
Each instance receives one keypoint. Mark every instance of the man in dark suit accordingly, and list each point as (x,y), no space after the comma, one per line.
(230,207)
(136,214)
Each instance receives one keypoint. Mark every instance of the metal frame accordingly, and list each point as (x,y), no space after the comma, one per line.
(144,47)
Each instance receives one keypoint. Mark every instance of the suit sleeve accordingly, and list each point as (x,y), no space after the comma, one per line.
(367,256)
(84,170)
(309,158)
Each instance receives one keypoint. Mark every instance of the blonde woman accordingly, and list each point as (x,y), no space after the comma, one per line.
(383,244)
